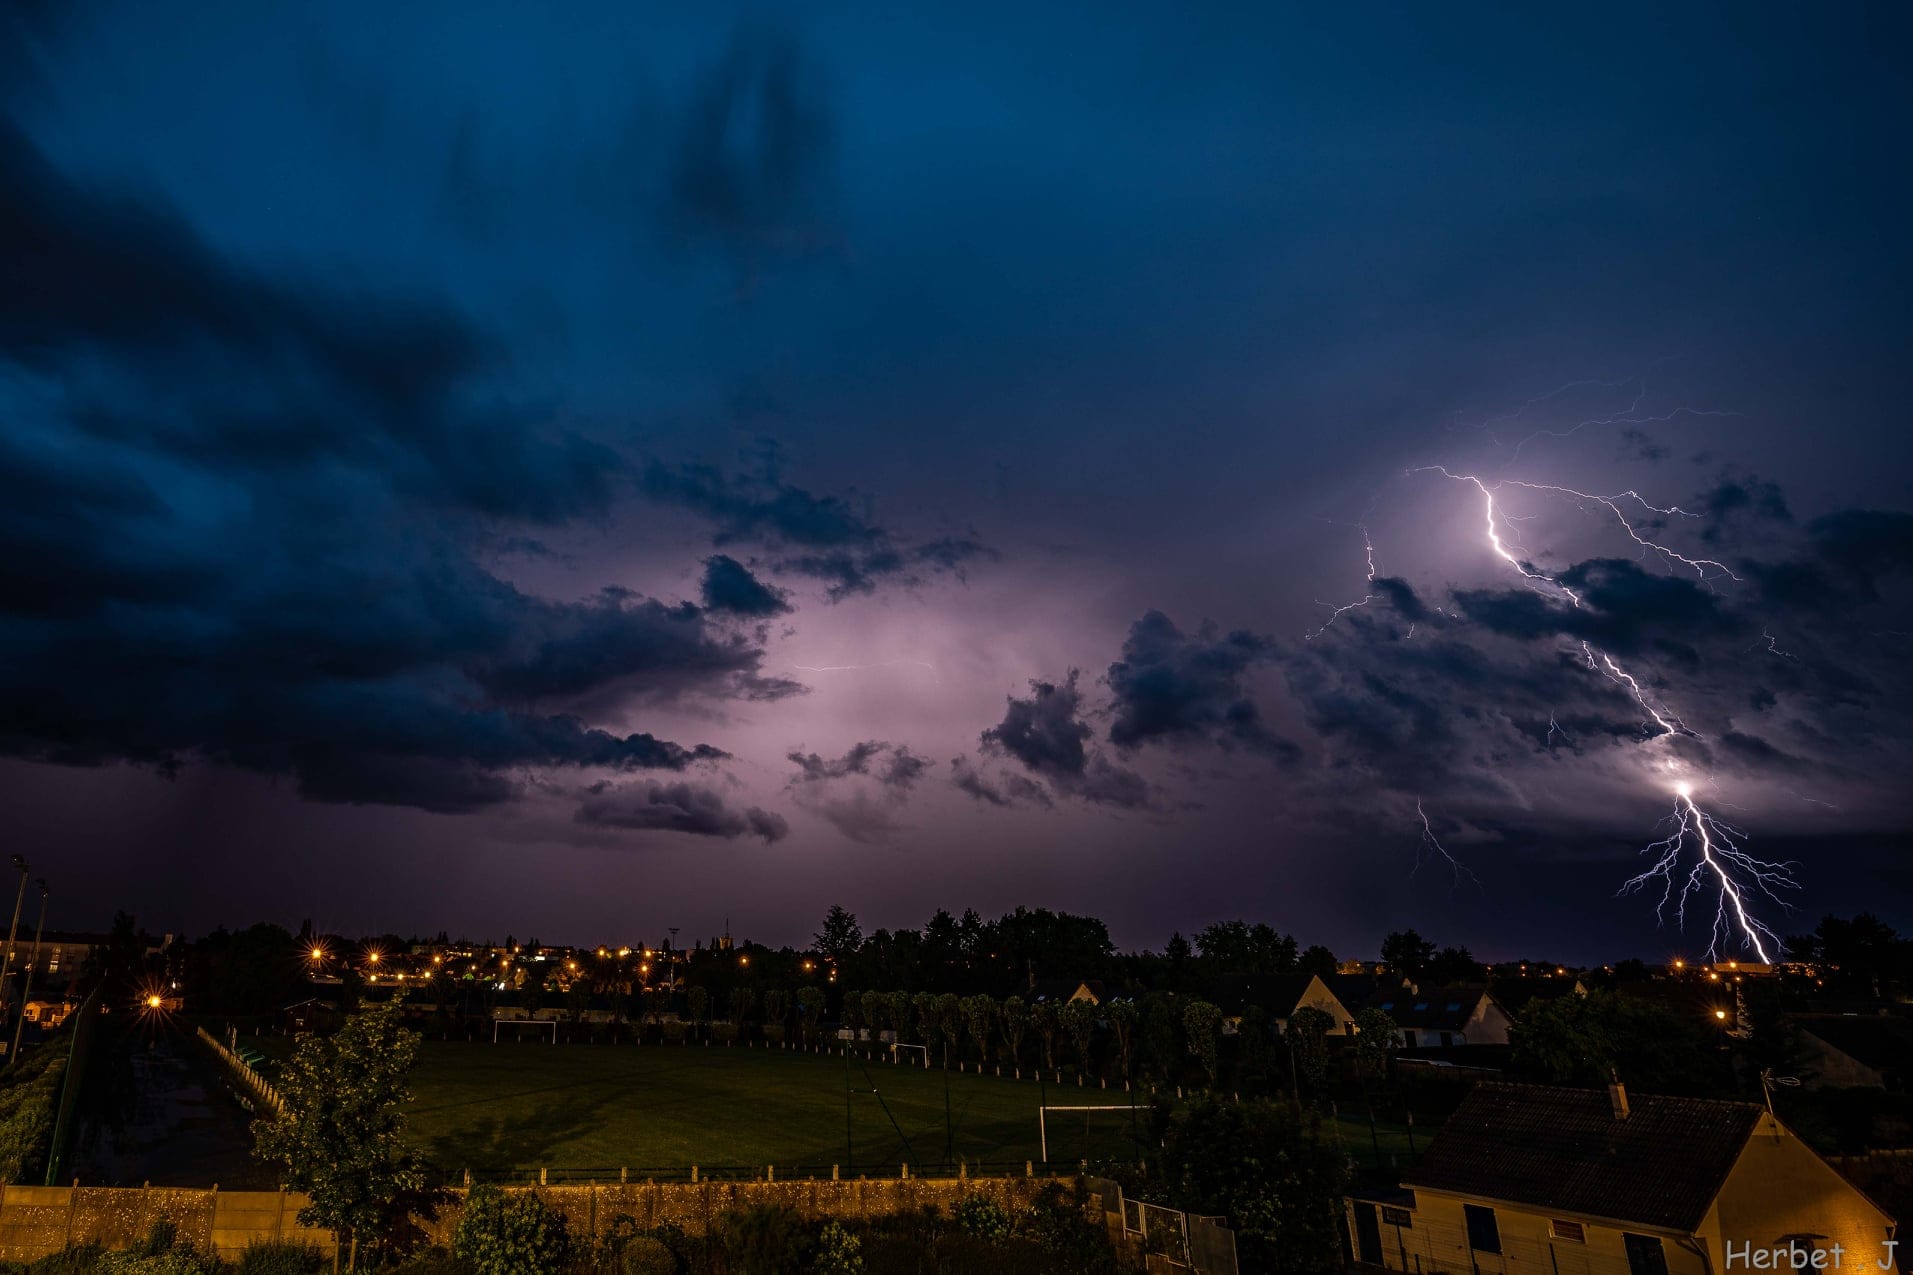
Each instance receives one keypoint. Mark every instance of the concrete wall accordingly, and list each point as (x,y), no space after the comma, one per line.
(38,1220)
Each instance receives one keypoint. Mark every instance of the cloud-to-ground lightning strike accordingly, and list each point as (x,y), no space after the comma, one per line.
(1720,863)
(1717,848)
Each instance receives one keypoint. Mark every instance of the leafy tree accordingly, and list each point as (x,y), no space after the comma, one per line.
(776,1006)
(1203,1023)
(341,1136)
(1078,1019)
(1277,1175)
(1123,1019)
(949,1014)
(923,1008)
(1376,1039)
(1048,1026)
(841,936)
(1407,953)
(898,1008)
(1256,1037)
(743,1000)
(1307,1037)
(511,1233)
(1160,1056)
(1236,947)
(851,1011)
(979,1012)
(1454,965)
(876,1010)
(1581,1040)
(699,1002)
(1016,1022)
(117,966)
(810,1009)
(769,1239)
(1316,959)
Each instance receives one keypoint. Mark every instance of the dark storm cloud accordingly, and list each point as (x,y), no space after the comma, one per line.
(901,768)
(1004,789)
(677,807)
(238,525)
(729,586)
(836,543)
(751,169)
(861,793)
(1047,736)
(1791,674)
(1626,610)
(1739,499)
(1174,687)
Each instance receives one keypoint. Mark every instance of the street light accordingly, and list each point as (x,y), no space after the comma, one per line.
(26,987)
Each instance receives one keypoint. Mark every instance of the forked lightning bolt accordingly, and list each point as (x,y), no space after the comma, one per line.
(1717,853)
(1719,864)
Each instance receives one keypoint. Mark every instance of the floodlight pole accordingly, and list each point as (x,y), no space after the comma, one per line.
(26,988)
(850,1160)
(949,1143)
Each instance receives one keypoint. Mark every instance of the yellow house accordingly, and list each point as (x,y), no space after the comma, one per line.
(1534,1180)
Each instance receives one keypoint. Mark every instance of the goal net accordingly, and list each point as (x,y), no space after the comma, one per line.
(518,1026)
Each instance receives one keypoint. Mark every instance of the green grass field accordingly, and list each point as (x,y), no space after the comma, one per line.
(599,1108)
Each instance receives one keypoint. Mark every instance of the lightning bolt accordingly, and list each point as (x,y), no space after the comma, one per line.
(1431,845)
(1719,862)
(1734,872)
(1336,613)
(862,668)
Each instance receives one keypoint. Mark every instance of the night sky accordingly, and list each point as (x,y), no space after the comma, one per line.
(585,470)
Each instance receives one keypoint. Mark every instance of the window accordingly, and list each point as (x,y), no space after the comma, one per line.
(1454,1007)
(1644,1255)
(1573,1232)
(1392,1216)
(1484,1236)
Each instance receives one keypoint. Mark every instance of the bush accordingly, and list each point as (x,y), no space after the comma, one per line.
(837,1251)
(27,1101)
(281,1257)
(431,1261)
(769,1239)
(982,1217)
(511,1233)
(78,1260)
(648,1255)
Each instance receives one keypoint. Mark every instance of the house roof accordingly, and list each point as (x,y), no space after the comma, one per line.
(1062,989)
(1279,994)
(1882,1044)
(1442,1009)
(1516,994)
(1563,1149)
(1358,991)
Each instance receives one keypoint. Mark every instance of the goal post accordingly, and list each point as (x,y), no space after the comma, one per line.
(1042,1118)
(896,1049)
(551,1023)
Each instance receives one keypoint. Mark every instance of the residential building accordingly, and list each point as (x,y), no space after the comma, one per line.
(1279,996)
(1534,1180)
(1446,1017)
(1855,1050)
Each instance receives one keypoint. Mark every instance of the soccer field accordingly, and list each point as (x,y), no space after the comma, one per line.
(598,1108)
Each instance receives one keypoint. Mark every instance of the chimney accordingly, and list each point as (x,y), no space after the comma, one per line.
(1617,1095)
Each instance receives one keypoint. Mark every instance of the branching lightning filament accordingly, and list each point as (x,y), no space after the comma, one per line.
(1720,867)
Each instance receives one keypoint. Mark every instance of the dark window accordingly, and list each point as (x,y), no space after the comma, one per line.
(1566,1230)
(1484,1236)
(1644,1255)
(1398,1217)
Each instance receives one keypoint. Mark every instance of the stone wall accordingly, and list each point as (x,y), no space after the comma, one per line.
(38,1220)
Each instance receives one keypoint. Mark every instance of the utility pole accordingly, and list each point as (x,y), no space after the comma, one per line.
(26,989)
(850,1160)
(19,862)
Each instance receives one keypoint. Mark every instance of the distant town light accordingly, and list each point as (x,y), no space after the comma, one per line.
(1720,1013)
(153,1001)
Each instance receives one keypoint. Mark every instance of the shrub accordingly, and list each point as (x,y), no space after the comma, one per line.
(81,1259)
(511,1233)
(648,1255)
(281,1257)
(768,1239)
(982,1217)
(431,1261)
(836,1252)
